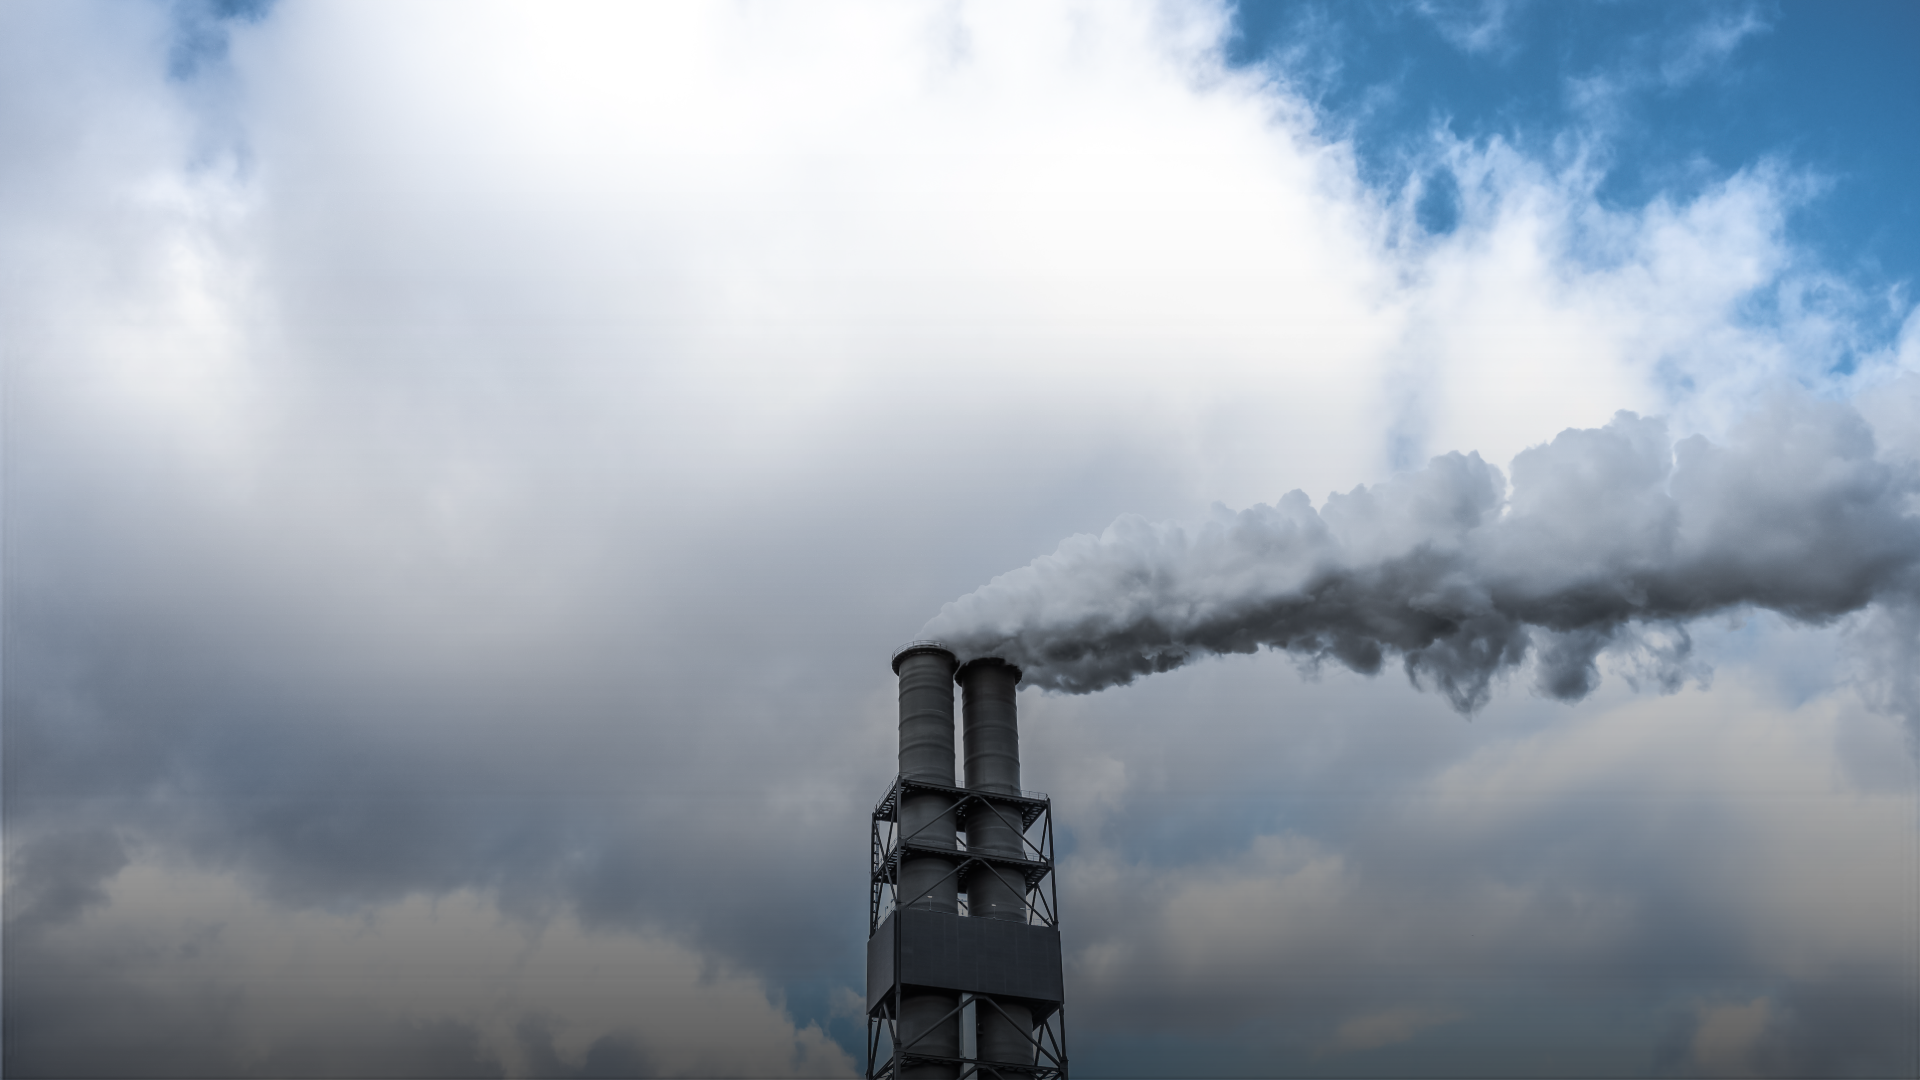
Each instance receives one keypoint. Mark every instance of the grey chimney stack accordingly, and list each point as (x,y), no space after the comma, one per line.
(929,1018)
(963,956)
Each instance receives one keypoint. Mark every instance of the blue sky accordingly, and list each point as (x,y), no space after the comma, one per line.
(468,466)
(1675,95)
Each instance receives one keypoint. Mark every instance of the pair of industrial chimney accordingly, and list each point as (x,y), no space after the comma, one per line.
(963,954)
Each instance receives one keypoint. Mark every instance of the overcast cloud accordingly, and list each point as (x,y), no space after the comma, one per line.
(467,467)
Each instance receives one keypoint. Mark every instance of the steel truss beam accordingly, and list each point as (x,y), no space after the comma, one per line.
(1033,869)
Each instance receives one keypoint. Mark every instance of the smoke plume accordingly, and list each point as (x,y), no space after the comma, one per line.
(1607,539)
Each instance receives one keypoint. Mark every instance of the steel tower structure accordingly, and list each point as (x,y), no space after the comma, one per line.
(963,949)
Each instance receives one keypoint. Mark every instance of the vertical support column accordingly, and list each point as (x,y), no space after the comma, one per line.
(927,880)
(991,726)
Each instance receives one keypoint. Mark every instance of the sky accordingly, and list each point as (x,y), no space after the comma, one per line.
(466,467)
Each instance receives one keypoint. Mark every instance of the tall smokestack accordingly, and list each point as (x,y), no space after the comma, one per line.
(929,1019)
(931,970)
(992,743)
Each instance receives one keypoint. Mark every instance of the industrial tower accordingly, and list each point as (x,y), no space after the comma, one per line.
(963,953)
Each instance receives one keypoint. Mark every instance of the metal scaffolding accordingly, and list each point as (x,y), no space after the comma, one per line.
(994,964)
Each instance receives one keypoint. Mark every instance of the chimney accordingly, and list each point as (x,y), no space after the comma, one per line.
(955,995)
(929,1018)
(992,740)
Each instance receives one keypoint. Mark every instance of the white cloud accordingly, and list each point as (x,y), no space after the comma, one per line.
(1472,26)
(490,459)
(1706,47)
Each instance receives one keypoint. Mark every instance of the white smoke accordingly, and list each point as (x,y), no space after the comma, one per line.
(1607,539)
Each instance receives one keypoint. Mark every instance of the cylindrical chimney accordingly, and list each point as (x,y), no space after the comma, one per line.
(927,880)
(926,754)
(992,746)
(992,733)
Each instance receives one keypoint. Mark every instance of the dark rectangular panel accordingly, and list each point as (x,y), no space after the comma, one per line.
(982,956)
(880,965)
(953,952)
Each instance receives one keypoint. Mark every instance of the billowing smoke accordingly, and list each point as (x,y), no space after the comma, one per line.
(1607,540)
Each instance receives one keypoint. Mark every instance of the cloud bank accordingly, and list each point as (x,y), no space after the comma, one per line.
(482,457)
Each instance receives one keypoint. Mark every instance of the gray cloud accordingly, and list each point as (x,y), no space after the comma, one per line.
(374,1045)
(1608,536)
(458,513)
(57,876)
(610,1057)
(1365,856)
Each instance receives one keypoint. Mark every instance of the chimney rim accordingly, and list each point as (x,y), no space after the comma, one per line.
(921,645)
(960,672)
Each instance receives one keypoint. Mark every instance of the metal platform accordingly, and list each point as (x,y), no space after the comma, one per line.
(1031,809)
(987,961)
